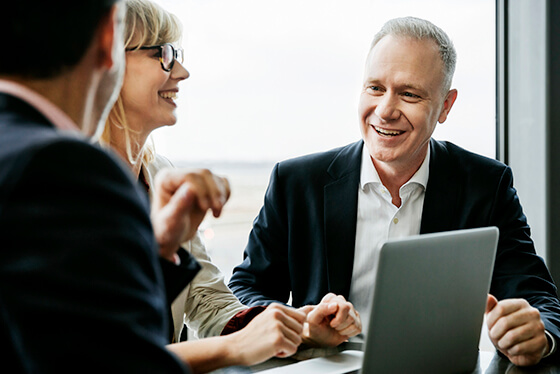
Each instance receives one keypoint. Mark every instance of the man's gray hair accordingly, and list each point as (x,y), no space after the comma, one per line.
(421,29)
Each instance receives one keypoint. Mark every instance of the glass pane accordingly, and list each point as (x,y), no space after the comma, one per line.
(280,78)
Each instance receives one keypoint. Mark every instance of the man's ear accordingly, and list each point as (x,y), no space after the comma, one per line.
(109,34)
(447,104)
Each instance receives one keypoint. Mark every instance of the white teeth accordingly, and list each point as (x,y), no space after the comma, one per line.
(388,132)
(168,95)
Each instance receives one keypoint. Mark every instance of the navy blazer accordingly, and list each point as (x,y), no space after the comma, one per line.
(304,236)
(81,288)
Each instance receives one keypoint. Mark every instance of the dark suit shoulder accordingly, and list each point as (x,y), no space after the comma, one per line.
(51,158)
(463,162)
(89,257)
(334,163)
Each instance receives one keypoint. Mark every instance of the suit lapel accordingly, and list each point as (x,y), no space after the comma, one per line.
(341,204)
(442,192)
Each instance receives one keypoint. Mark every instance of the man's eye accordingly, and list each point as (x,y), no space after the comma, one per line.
(374,89)
(411,95)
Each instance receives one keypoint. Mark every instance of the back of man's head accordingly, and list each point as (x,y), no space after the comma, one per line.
(42,38)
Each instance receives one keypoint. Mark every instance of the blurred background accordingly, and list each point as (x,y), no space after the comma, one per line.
(271,80)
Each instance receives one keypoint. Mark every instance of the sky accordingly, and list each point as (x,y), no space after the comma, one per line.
(271,80)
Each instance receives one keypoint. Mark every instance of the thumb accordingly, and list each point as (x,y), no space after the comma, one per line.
(320,312)
(307,309)
(183,199)
(491,303)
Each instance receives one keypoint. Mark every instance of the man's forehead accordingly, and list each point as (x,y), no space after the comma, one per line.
(398,46)
(414,60)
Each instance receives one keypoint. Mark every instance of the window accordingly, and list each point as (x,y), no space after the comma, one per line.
(274,79)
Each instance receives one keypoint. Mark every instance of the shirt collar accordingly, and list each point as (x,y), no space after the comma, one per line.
(54,114)
(369,173)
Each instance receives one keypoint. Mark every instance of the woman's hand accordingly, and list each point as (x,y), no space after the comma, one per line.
(181,200)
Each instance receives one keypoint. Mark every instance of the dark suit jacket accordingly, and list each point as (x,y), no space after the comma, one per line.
(303,239)
(81,288)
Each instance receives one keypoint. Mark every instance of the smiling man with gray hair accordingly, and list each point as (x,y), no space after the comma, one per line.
(325,215)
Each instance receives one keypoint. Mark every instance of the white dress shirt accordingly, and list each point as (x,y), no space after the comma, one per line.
(379,220)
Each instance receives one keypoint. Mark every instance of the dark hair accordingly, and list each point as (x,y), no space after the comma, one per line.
(42,38)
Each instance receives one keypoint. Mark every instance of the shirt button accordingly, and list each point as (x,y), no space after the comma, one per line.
(395,220)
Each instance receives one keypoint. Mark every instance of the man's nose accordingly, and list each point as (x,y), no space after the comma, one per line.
(387,108)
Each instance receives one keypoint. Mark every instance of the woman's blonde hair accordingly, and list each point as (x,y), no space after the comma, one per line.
(146,24)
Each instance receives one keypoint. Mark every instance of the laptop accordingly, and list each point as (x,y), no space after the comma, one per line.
(428,307)
(429,302)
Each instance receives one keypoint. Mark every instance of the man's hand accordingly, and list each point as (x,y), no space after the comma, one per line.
(331,322)
(180,202)
(276,332)
(516,329)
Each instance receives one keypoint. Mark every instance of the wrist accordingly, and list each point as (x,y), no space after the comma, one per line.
(169,253)
(551,344)
(306,340)
(233,351)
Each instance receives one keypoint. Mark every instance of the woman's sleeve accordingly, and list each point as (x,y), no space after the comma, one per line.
(209,303)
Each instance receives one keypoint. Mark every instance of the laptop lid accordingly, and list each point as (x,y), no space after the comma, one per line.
(429,302)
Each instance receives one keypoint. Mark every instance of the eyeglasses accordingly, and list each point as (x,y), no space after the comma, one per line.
(167,54)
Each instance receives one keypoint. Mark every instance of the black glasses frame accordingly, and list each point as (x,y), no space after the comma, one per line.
(176,52)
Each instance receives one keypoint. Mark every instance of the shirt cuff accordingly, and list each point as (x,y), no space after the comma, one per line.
(242,319)
(552,343)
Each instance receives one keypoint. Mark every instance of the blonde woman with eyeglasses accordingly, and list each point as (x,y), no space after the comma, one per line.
(154,69)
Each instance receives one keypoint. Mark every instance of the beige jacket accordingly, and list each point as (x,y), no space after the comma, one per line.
(206,304)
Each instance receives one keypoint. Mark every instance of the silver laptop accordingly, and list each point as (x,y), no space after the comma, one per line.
(428,307)
(429,302)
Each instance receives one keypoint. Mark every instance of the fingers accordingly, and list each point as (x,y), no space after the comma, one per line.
(180,202)
(211,191)
(319,313)
(354,328)
(529,352)
(337,314)
(503,309)
(292,318)
(277,330)
(491,302)
(521,340)
(343,315)
(346,320)
(286,320)
(183,198)
(516,329)
(307,309)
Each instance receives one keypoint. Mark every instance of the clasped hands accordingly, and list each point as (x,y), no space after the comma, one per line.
(516,330)
(331,322)
(280,329)
(181,200)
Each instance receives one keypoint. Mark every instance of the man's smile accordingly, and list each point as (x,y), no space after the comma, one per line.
(390,133)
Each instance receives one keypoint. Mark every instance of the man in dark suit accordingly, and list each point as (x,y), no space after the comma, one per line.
(81,287)
(325,215)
